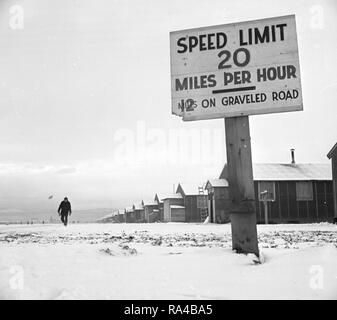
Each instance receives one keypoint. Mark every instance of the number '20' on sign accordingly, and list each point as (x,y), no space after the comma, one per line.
(227,56)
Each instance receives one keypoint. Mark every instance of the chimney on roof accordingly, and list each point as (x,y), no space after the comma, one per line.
(292,156)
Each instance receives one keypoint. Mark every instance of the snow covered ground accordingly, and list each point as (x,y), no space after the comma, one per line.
(165,261)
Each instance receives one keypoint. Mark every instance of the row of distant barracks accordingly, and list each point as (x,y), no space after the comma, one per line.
(284,193)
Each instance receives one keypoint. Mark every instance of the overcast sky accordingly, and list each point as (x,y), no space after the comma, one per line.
(85,99)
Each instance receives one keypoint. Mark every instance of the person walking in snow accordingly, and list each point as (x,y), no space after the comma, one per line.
(64,209)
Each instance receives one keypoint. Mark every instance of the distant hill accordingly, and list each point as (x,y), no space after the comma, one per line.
(21,216)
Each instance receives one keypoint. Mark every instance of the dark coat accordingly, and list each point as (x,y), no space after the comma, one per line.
(64,208)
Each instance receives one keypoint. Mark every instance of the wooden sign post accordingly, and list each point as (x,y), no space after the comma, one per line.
(241,185)
(232,71)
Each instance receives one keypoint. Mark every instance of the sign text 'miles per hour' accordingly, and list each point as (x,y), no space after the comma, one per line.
(236,69)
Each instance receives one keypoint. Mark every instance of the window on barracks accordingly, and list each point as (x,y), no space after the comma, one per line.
(304,191)
(266,190)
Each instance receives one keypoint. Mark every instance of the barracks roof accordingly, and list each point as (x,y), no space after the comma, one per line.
(190,189)
(288,172)
(302,171)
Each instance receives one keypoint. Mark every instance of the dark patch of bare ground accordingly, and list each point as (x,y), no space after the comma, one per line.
(271,239)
